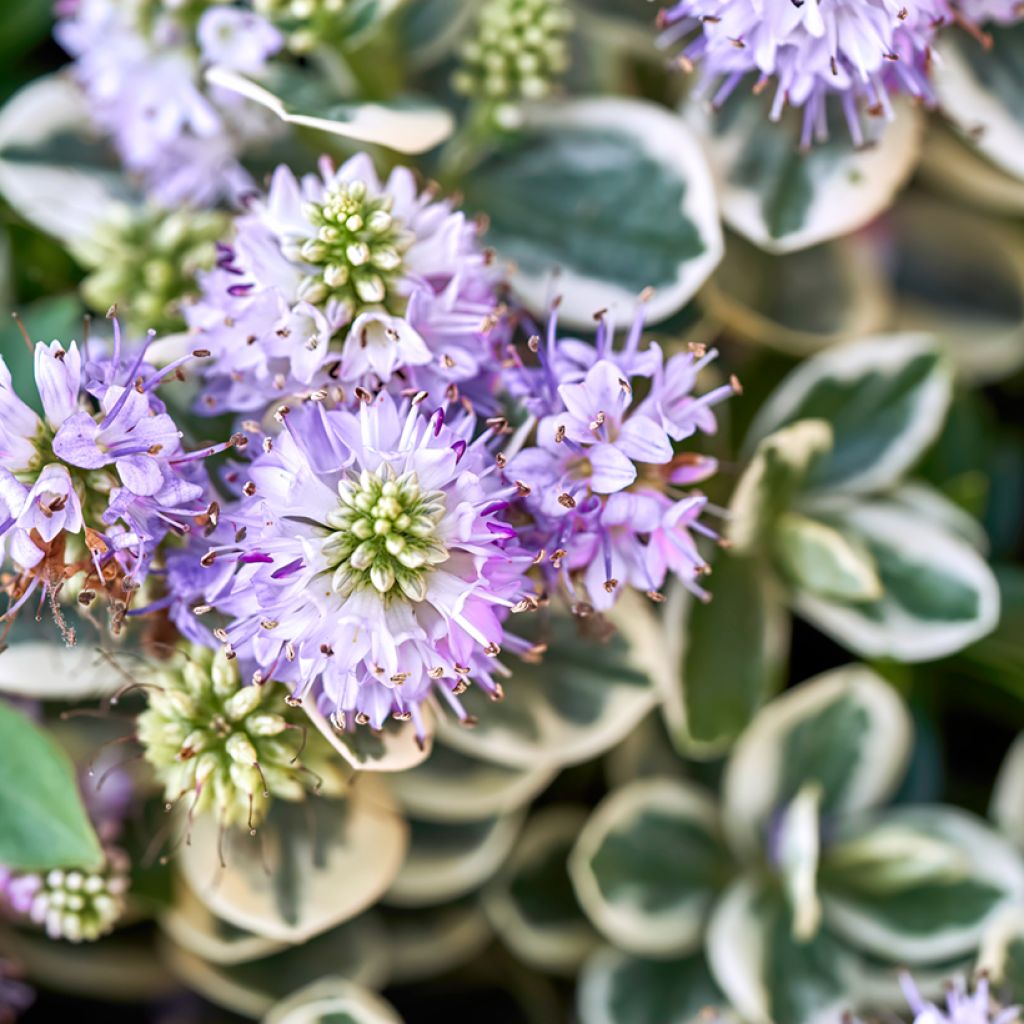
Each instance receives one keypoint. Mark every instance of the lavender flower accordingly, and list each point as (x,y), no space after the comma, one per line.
(341,281)
(93,487)
(961,1007)
(600,484)
(858,51)
(1000,12)
(375,561)
(73,905)
(141,66)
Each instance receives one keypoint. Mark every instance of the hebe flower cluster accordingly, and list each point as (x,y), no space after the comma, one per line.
(339,282)
(602,482)
(141,64)
(78,906)
(90,489)
(375,560)
(858,51)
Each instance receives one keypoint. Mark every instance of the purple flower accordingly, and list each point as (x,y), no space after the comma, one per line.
(859,51)
(1000,12)
(601,481)
(375,561)
(95,485)
(142,73)
(340,281)
(237,39)
(961,1006)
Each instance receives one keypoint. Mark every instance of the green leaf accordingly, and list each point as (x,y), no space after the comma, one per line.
(616,988)
(722,683)
(531,903)
(820,559)
(309,867)
(924,915)
(885,398)
(630,179)
(332,1001)
(766,974)
(429,30)
(647,866)
(939,593)
(446,861)
(845,730)
(980,89)
(299,98)
(580,700)
(774,479)
(44,822)
(959,275)
(783,198)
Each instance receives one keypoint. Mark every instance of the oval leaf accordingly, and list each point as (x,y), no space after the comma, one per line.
(616,988)
(298,100)
(722,683)
(783,198)
(60,182)
(309,867)
(939,594)
(454,787)
(846,730)
(631,180)
(647,865)
(980,89)
(911,904)
(332,1001)
(531,903)
(44,822)
(885,398)
(581,699)
(448,861)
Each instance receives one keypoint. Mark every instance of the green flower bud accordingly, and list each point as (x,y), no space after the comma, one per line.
(227,747)
(519,51)
(145,262)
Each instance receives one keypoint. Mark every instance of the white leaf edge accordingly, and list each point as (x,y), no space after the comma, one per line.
(51,671)
(66,202)
(665,138)
(839,208)
(754,769)
(847,362)
(556,950)
(899,635)
(985,123)
(331,996)
(1007,806)
(678,930)
(991,857)
(427,881)
(408,131)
